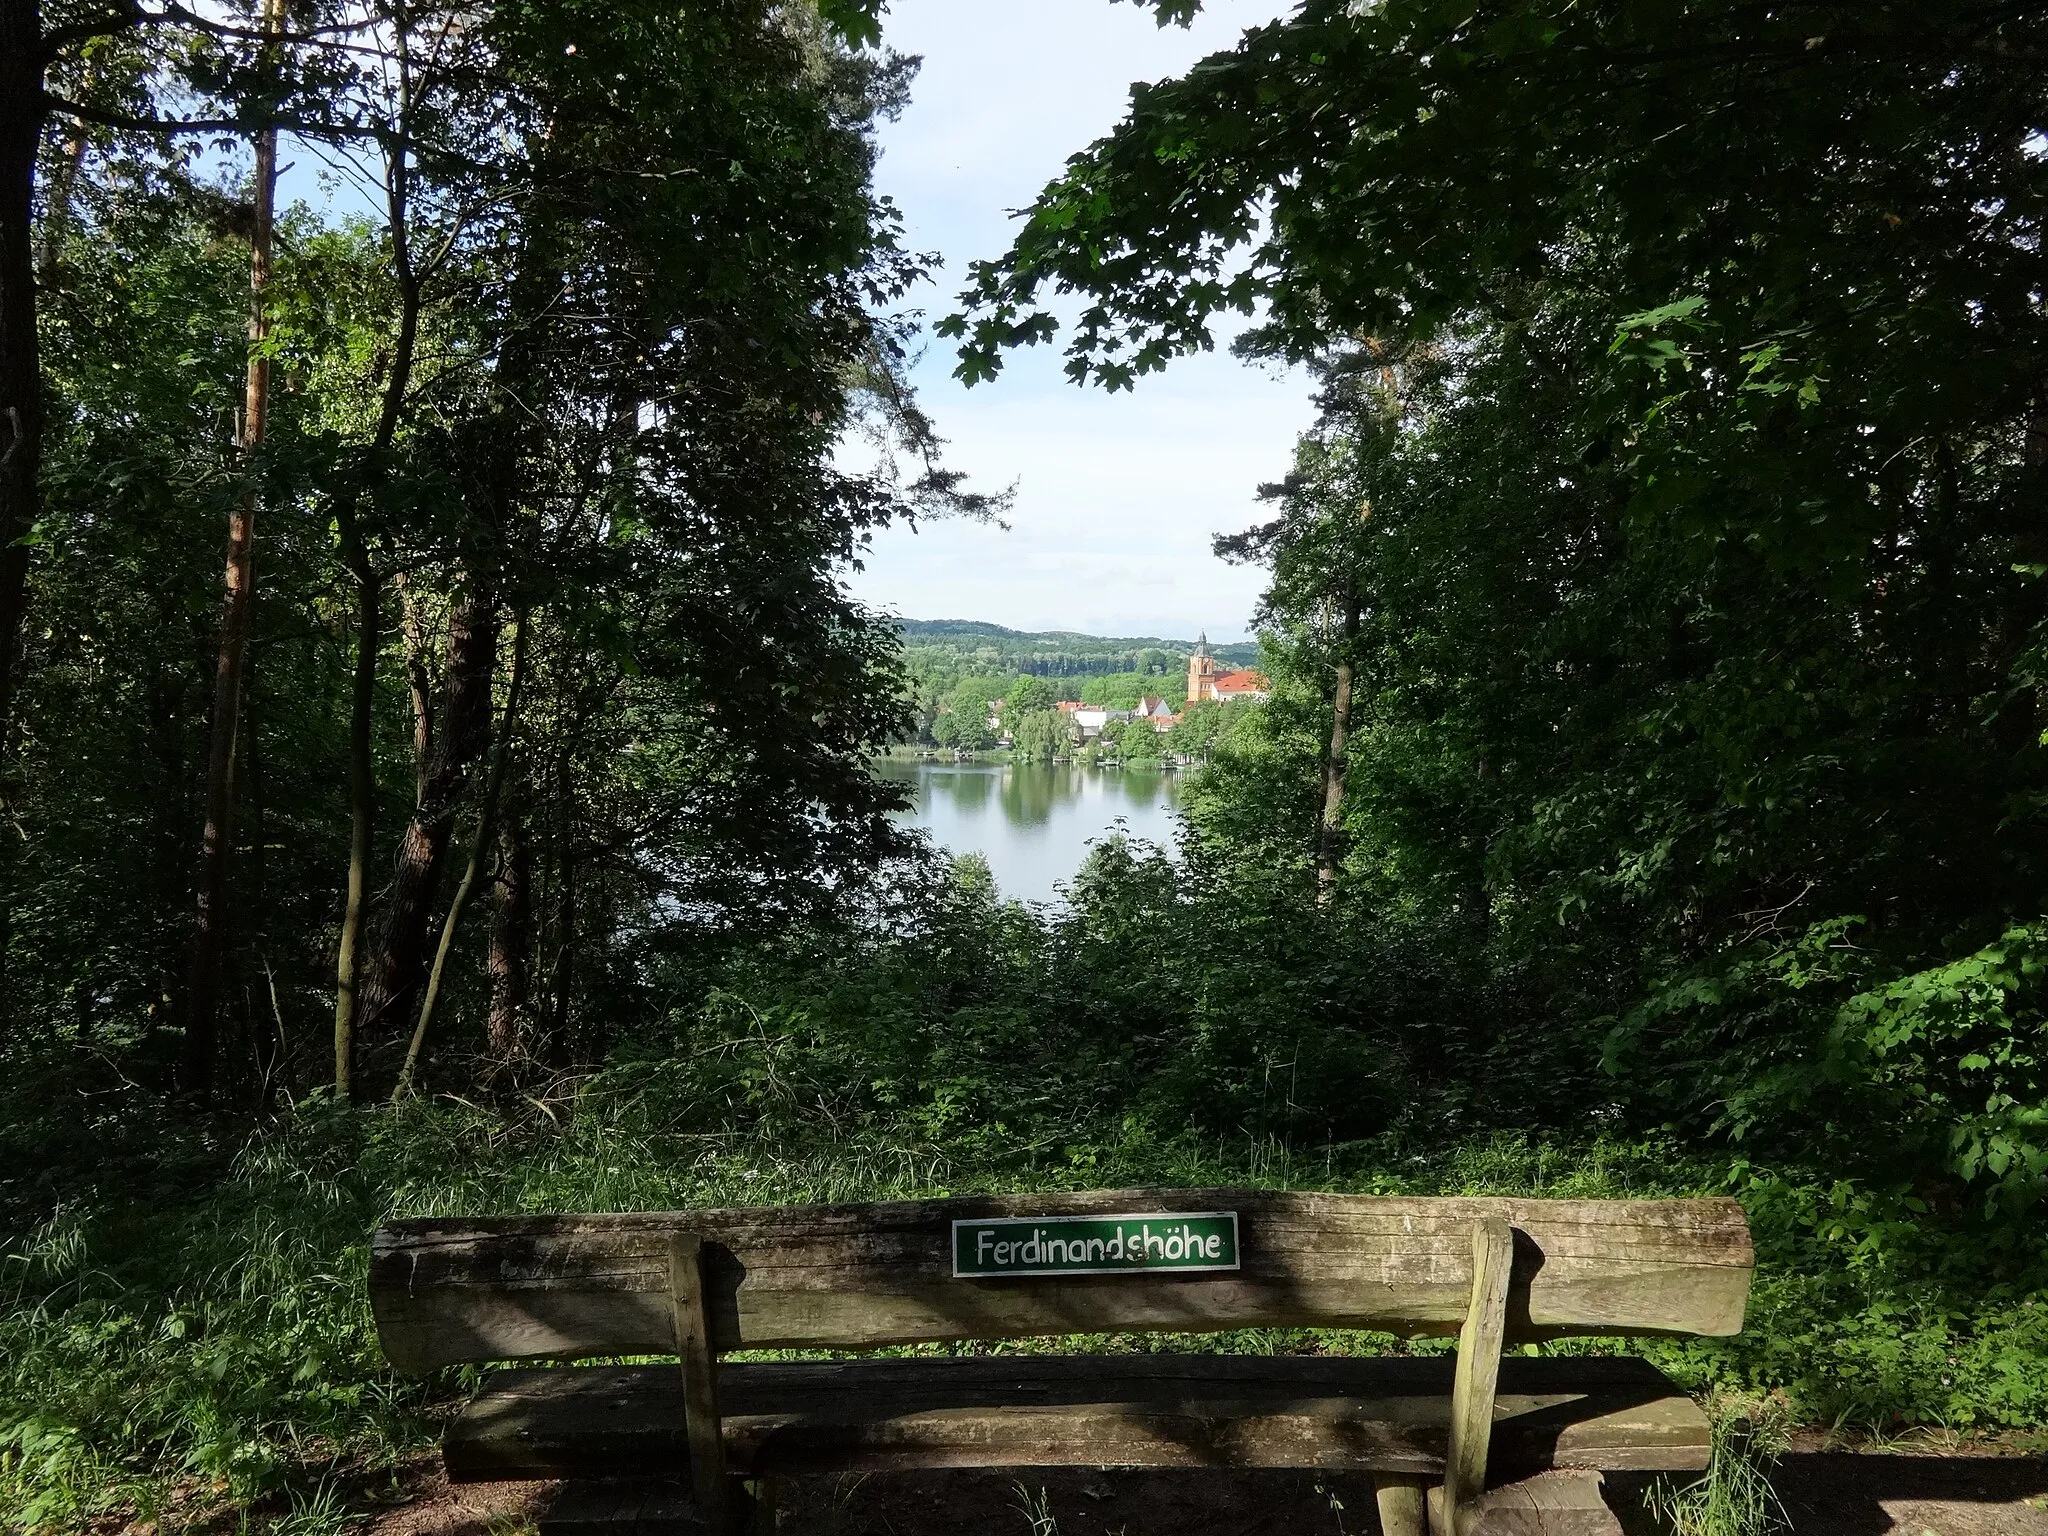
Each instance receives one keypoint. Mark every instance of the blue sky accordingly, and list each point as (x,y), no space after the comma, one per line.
(1117,495)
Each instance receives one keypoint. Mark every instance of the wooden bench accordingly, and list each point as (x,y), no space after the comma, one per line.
(1440,1436)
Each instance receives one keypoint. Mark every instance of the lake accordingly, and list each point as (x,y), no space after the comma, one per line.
(1033,822)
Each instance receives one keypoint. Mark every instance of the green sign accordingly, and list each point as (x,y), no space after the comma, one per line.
(1095,1245)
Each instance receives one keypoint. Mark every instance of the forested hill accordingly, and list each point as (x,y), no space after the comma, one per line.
(1058,652)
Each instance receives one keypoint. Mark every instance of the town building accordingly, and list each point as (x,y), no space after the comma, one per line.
(1207,680)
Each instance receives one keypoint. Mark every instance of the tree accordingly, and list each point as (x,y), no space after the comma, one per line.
(966,732)
(1123,690)
(210,934)
(1317,549)
(1025,694)
(1134,740)
(973,699)
(1040,734)
(23,52)
(1200,727)
(598,217)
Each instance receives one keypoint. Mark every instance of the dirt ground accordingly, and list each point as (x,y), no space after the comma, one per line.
(1824,1493)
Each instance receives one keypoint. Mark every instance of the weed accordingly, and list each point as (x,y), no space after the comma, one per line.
(1036,1508)
(321,1510)
(1735,1498)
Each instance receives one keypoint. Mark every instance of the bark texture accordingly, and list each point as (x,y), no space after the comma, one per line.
(559,1049)
(1329,830)
(479,852)
(511,959)
(21,410)
(398,968)
(362,795)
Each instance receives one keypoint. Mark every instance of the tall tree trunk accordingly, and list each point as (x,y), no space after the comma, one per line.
(511,960)
(399,965)
(209,940)
(559,1048)
(57,200)
(1329,831)
(362,804)
(369,634)
(21,399)
(480,850)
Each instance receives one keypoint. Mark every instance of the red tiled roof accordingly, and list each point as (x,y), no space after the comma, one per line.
(1244,681)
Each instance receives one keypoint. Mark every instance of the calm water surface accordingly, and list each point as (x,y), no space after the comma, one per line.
(1033,822)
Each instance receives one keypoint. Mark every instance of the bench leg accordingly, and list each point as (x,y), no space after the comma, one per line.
(702,1426)
(1401,1505)
(766,1516)
(1555,1503)
(1472,1390)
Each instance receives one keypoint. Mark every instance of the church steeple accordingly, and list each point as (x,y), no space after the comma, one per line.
(1201,672)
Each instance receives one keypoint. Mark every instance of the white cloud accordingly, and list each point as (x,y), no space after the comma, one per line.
(1118,495)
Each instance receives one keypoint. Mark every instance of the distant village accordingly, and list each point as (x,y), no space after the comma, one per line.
(1207,683)
(1092,726)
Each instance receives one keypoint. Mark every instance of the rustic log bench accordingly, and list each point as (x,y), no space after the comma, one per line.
(1460,1446)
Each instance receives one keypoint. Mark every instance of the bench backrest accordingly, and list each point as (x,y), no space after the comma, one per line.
(454,1290)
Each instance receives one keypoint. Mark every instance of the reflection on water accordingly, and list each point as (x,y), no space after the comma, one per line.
(1033,821)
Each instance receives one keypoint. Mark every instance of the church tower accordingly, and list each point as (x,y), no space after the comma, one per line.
(1201,672)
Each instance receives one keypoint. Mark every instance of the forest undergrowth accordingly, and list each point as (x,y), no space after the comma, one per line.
(195,1332)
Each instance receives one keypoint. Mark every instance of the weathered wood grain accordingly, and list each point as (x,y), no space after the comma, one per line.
(1561,1503)
(1472,1390)
(1403,1505)
(699,1363)
(633,1509)
(452,1290)
(1377,1415)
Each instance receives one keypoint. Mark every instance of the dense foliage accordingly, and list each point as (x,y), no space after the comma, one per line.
(550,532)
(1673,526)
(1653,795)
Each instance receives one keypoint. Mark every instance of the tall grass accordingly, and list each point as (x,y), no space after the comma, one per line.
(1735,1498)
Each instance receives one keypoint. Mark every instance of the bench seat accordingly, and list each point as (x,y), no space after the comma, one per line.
(1388,1414)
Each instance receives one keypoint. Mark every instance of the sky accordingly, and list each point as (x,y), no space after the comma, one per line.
(1117,496)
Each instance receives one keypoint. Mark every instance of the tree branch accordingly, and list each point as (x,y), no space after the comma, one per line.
(124,120)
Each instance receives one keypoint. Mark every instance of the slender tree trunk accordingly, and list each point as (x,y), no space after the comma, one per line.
(1329,830)
(348,989)
(362,798)
(479,850)
(559,1050)
(419,687)
(400,964)
(57,201)
(209,941)
(21,399)
(511,959)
